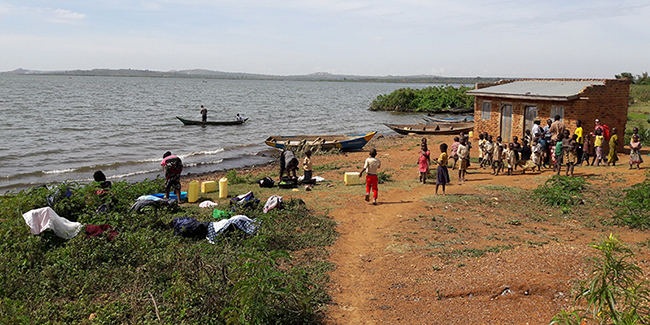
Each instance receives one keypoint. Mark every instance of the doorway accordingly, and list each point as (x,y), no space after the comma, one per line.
(530,113)
(506,122)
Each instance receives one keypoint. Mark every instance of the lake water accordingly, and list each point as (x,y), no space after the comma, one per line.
(59,128)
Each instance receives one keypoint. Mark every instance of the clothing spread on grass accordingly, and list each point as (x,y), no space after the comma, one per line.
(139,205)
(272,202)
(94,231)
(244,223)
(220,214)
(247,200)
(317,179)
(189,227)
(45,218)
(208,204)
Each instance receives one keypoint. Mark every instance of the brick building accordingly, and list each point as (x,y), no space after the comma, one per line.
(508,107)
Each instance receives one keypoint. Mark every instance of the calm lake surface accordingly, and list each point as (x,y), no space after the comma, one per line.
(59,128)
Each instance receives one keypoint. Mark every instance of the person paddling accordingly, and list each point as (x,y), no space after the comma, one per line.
(204,114)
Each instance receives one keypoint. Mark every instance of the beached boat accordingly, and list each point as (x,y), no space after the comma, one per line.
(440,128)
(457,110)
(431,120)
(348,142)
(192,122)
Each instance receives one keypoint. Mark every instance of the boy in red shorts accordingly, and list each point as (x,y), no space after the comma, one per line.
(371,166)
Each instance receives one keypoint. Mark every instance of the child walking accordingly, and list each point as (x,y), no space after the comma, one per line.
(511,159)
(442,174)
(599,139)
(423,162)
(570,154)
(612,157)
(463,155)
(371,165)
(454,151)
(635,152)
(497,163)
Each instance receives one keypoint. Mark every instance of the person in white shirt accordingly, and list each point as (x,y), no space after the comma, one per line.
(371,165)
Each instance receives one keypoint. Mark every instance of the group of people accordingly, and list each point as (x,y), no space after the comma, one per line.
(204,115)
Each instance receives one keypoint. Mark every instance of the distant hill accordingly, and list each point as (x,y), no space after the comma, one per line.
(210,74)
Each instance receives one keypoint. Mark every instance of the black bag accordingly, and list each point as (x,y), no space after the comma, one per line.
(266,182)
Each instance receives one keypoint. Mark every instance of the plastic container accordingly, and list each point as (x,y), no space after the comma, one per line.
(351,178)
(209,186)
(223,188)
(193,192)
(471,134)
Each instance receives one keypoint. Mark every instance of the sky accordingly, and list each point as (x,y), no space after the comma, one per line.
(455,38)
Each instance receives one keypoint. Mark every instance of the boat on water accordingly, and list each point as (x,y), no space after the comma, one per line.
(347,142)
(431,120)
(457,110)
(439,128)
(192,122)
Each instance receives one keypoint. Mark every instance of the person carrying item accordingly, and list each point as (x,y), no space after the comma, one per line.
(204,114)
(371,165)
(172,166)
(288,164)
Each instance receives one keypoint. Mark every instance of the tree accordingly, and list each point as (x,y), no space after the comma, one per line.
(625,75)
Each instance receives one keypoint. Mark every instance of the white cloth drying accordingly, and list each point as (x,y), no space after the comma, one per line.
(42,219)
(244,223)
(148,197)
(207,204)
(318,179)
(272,203)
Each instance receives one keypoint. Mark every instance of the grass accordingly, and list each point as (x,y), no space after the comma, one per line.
(147,275)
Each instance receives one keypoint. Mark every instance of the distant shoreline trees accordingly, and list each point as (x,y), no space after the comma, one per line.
(641,79)
(428,99)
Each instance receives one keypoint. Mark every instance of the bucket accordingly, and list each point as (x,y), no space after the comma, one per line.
(193,192)
(223,188)
(471,134)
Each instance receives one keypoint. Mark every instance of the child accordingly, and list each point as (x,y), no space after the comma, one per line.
(612,157)
(371,165)
(497,163)
(558,153)
(598,146)
(481,148)
(489,151)
(307,166)
(528,136)
(570,153)
(517,148)
(511,159)
(442,175)
(423,162)
(463,155)
(454,151)
(586,151)
(635,152)
(537,153)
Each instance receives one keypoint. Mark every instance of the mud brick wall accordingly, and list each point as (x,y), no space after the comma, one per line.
(608,103)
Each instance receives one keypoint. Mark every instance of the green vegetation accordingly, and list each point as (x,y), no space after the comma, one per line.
(428,99)
(634,209)
(614,292)
(638,113)
(147,275)
(561,191)
(642,79)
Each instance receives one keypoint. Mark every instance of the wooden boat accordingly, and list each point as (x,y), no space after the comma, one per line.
(348,142)
(440,128)
(457,110)
(191,122)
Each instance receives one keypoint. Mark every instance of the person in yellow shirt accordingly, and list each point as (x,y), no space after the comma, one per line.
(598,146)
(442,173)
(580,140)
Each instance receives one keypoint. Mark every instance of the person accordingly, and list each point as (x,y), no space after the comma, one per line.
(598,146)
(172,166)
(307,166)
(537,153)
(442,174)
(454,151)
(371,166)
(547,139)
(204,113)
(511,159)
(517,148)
(569,146)
(463,155)
(612,157)
(635,131)
(598,126)
(528,136)
(100,178)
(497,163)
(537,130)
(557,127)
(240,118)
(288,164)
(525,162)
(635,152)
(559,159)
(481,148)
(423,162)
(587,151)
(580,141)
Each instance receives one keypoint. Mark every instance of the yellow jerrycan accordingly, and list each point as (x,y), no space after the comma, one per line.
(193,192)
(223,188)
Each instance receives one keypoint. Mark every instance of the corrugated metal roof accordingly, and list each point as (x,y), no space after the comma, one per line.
(536,89)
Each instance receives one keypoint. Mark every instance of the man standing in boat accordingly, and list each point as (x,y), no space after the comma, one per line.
(204,114)
(240,118)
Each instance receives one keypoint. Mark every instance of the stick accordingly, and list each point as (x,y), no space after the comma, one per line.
(155,306)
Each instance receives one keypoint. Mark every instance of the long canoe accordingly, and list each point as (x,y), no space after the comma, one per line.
(348,142)
(192,122)
(440,128)
(434,120)
(458,110)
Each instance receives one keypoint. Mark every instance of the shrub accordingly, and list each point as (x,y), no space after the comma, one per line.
(383,177)
(561,191)
(634,209)
(428,99)
(614,292)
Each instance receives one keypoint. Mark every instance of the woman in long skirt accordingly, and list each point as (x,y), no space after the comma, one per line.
(635,152)
(442,174)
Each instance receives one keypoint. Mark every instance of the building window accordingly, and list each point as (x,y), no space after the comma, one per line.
(485,110)
(557,110)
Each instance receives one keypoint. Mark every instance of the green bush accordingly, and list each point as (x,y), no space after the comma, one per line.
(634,209)
(561,191)
(147,275)
(428,99)
(615,291)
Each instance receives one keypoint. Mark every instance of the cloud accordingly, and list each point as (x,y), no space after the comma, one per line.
(62,16)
